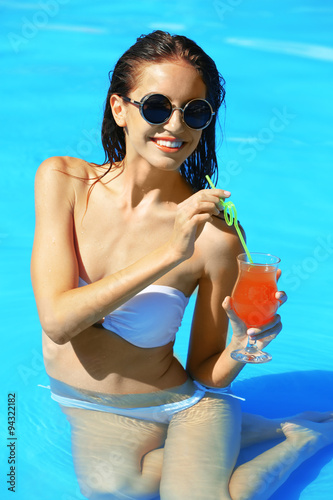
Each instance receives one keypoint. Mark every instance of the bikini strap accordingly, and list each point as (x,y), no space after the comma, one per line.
(218,390)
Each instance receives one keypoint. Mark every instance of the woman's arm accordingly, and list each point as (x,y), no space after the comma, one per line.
(66,310)
(209,358)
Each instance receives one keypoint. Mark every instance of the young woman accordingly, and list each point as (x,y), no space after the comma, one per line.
(119,249)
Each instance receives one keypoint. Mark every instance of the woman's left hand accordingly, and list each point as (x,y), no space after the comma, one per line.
(265,334)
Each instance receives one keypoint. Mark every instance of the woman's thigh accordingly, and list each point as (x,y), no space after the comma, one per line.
(201,450)
(110,451)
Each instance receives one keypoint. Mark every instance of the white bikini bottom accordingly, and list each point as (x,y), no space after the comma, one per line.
(186,395)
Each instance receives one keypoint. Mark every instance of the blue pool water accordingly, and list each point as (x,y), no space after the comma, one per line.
(276,159)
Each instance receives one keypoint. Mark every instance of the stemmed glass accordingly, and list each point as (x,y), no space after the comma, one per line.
(253,300)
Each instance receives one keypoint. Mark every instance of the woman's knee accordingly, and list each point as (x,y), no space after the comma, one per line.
(117,490)
(103,483)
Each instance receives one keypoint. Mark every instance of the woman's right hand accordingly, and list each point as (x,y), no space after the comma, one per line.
(192,214)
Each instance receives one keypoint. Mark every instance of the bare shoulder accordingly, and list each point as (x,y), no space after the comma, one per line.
(219,237)
(65,177)
(71,167)
(219,246)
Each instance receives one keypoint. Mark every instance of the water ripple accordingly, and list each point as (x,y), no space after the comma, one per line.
(74,28)
(310,51)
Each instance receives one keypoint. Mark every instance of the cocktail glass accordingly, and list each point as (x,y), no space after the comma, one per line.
(253,300)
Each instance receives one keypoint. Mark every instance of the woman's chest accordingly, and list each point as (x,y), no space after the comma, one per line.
(109,243)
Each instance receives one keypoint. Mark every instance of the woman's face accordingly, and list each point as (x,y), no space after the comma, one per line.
(168,145)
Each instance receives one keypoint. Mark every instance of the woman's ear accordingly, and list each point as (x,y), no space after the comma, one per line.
(118,110)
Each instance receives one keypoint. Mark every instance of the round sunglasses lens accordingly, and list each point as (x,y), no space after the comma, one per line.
(157,109)
(197,114)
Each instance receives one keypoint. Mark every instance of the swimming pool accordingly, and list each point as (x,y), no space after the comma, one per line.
(276,160)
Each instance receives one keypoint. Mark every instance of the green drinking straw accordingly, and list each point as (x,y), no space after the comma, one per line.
(230,215)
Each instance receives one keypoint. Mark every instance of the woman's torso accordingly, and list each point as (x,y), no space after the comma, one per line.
(108,237)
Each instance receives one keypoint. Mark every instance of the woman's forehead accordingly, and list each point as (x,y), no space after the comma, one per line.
(168,77)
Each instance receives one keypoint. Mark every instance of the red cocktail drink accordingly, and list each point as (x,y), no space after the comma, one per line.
(253,299)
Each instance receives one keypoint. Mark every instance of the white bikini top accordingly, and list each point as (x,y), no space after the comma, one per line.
(149,319)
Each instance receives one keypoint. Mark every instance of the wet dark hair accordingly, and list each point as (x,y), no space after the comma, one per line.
(160,46)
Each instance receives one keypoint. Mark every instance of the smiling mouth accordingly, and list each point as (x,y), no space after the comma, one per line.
(168,145)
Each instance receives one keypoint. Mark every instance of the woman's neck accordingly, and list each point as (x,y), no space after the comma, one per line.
(143,183)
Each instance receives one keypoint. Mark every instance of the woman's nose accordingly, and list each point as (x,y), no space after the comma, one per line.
(175,121)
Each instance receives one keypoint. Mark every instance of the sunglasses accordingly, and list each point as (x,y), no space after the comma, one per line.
(157,109)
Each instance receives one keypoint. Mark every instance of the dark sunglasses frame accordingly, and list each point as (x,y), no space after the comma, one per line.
(140,105)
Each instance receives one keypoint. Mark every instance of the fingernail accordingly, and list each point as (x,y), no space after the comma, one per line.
(251,332)
(227,193)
